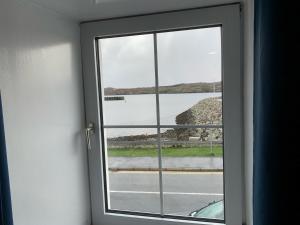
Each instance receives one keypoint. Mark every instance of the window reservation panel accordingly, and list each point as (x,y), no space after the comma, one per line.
(162,123)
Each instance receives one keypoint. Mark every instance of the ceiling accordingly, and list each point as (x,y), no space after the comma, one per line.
(85,10)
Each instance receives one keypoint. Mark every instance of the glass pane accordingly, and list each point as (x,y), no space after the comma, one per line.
(132,110)
(128,80)
(132,169)
(191,108)
(193,172)
(189,70)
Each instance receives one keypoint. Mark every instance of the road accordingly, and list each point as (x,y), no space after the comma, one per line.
(183,191)
(167,162)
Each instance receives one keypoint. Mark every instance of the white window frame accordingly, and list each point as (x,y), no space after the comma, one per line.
(226,16)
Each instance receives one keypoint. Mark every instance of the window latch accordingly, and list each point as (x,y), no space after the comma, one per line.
(90,130)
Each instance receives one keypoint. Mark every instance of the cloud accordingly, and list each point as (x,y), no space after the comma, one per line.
(183,57)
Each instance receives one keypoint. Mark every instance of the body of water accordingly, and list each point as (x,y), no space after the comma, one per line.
(141,110)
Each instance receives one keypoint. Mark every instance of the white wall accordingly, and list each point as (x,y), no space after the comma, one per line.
(40,81)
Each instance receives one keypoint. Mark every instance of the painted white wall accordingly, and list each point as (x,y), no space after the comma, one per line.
(84,10)
(41,85)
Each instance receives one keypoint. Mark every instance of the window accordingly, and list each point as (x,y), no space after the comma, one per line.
(163,127)
(164,92)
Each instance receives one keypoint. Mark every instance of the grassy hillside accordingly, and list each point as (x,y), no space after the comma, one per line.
(173,89)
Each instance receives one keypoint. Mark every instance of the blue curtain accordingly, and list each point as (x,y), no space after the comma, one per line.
(276,174)
(5,200)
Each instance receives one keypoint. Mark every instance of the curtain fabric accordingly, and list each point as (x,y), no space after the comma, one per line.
(5,200)
(276,114)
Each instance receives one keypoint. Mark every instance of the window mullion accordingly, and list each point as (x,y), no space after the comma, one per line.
(158,126)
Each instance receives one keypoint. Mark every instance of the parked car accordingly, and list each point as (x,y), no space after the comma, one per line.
(214,210)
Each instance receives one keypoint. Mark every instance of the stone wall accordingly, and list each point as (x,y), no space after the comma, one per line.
(207,111)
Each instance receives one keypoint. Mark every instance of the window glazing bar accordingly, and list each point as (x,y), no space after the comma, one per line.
(158,127)
(165,126)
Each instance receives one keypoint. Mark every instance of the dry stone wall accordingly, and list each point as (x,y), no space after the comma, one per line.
(207,111)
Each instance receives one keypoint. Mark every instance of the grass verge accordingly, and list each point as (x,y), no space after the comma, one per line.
(167,152)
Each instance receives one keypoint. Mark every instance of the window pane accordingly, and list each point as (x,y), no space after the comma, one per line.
(189,61)
(128,80)
(193,171)
(132,169)
(190,93)
(132,110)
(190,108)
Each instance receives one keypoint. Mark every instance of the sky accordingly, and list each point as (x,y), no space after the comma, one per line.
(183,57)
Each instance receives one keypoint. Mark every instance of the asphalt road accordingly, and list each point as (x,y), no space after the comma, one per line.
(167,162)
(183,191)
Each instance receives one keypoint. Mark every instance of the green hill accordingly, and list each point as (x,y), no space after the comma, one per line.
(172,89)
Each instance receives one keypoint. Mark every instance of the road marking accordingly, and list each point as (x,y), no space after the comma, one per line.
(167,193)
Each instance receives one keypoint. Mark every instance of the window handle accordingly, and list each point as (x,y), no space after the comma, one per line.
(90,130)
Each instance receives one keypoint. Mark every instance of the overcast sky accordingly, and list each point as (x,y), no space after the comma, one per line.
(183,57)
